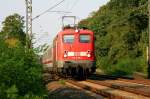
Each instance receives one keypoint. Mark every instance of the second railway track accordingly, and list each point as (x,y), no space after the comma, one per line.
(112,91)
(135,88)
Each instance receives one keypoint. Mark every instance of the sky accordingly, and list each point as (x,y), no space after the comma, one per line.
(48,25)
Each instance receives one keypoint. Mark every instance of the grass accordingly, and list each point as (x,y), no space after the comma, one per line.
(62,82)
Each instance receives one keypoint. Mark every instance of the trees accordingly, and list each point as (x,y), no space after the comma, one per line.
(13,28)
(20,69)
(121,33)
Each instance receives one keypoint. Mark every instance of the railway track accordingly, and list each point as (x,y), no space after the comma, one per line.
(138,81)
(113,89)
(135,88)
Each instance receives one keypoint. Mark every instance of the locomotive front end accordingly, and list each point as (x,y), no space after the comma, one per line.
(78,51)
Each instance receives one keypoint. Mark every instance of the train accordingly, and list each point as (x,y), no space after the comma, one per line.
(71,53)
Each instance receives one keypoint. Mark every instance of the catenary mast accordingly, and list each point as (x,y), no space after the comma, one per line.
(29,23)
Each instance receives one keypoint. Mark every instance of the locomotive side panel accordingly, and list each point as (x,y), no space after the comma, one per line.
(59,52)
(54,55)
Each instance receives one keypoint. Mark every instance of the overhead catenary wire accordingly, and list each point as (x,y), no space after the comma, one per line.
(73,5)
(60,11)
(54,6)
(48,9)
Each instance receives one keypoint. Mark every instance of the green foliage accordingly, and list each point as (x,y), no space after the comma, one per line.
(12,92)
(20,69)
(62,82)
(121,34)
(125,66)
(13,26)
(41,49)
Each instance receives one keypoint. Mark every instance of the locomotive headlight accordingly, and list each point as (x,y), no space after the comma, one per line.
(65,54)
(77,31)
(88,53)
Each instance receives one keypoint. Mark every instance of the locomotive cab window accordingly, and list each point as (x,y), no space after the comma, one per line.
(84,38)
(68,38)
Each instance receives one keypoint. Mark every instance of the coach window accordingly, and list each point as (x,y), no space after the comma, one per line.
(84,38)
(68,38)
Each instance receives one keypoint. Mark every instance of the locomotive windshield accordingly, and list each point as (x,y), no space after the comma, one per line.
(85,38)
(68,38)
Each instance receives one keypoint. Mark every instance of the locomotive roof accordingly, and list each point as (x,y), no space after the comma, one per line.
(73,31)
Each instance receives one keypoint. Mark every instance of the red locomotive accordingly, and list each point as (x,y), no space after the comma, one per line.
(72,53)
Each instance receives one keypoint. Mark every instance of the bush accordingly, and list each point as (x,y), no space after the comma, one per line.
(20,70)
(126,67)
(20,73)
